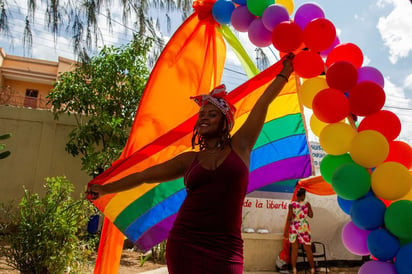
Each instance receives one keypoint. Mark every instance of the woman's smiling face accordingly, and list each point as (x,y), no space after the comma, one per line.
(209,120)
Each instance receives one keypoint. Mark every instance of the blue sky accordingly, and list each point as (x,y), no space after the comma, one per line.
(381,28)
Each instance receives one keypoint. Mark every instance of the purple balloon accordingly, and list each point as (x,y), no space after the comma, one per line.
(241,18)
(258,34)
(373,267)
(306,13)
(371,74)
(355,239)
(325,52)
(274,15)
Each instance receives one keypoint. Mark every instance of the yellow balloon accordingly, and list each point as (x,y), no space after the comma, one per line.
(336,138)
(288,4)
(391,181)
(310,88)
(408,196)
(316,125)
(369,148)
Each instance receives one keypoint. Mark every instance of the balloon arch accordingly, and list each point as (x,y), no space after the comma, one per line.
(367,168)
(365,165)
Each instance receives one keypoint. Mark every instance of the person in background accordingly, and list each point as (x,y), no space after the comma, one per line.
(206,235)
(299,231)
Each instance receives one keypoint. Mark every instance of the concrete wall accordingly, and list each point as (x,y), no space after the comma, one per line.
(270,214)
(37,150)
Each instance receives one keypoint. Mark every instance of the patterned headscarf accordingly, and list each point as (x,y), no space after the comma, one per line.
(217,98)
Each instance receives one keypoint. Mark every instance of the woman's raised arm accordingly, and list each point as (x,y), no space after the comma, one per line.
(250,130)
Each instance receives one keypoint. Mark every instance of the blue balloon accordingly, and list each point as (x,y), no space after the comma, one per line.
(344,204)
(222,11)
(240,2)
(383,245)
(403,260)
(368,213)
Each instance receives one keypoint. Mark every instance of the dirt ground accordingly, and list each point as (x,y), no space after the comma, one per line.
(129,263)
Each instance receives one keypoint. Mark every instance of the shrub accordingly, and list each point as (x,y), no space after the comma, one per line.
(47,235)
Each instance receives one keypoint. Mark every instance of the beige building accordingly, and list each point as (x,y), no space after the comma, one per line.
(38,141)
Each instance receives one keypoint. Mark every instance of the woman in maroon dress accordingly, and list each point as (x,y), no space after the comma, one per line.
(206,236)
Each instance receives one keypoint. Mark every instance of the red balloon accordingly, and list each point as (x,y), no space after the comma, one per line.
(308,64)
(400,152)
(386,202)
(342,75)
(345,52)
(330,105)
(287,36)
(383,121)
(319,34)
(366,98)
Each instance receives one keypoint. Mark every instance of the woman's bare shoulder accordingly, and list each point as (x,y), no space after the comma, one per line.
(187,157)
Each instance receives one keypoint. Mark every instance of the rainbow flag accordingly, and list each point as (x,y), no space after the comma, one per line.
(146,213)
(191,64)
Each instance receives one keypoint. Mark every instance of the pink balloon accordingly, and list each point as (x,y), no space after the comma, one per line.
(274,15)
(241,18)
(258,34)
(355,239)
(306,13)
(371,74)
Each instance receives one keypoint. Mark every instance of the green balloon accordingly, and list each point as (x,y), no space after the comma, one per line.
(398,219)
(257,7)
(351,181)
(330,163)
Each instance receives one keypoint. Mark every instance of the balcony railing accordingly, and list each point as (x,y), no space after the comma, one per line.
(10,97)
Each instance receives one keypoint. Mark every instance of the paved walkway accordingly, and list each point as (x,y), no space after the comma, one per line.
(340,270)
(163,270)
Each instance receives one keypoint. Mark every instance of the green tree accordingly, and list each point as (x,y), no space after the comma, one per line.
(79,19)
(103,96)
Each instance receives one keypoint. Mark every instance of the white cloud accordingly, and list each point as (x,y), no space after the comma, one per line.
(400,105)
(396,29)
(408,82)
(395,96)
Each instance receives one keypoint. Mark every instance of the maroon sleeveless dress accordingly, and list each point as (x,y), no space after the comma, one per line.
(206,236)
